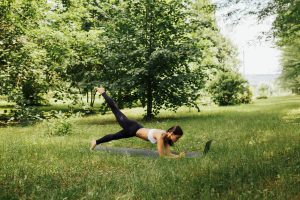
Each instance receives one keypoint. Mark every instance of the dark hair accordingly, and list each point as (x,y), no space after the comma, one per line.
(176,130)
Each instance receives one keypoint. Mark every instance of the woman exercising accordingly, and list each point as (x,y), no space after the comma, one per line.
(163,139)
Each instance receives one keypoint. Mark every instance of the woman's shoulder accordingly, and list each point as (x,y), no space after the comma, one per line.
(160,133)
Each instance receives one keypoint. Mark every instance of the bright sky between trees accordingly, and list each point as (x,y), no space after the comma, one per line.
(256,56)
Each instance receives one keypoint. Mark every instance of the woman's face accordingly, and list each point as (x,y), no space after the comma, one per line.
(173,137)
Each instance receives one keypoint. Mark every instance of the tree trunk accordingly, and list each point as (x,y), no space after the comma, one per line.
(149,46)
(149,102)
(93,94)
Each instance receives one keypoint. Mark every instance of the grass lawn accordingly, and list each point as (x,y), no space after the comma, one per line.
(255,155)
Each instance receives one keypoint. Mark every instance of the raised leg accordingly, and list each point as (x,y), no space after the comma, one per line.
(121,118)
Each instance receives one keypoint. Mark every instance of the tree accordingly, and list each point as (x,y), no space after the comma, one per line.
(47,46)
(217,52)
(20,59)
(153,50)
(72,39)
(229,88)
(290,76)
(286,29)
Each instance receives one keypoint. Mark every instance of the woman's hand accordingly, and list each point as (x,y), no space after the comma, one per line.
(182,155)
(176,156)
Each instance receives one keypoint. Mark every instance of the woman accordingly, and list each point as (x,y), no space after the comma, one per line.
(163,139)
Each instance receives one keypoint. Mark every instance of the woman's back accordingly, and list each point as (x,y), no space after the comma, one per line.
(149,134)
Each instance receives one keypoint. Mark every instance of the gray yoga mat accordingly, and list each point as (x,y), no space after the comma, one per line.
(148,152)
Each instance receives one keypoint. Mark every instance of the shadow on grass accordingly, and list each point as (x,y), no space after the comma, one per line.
(270,107)
(182,118)
(6,106)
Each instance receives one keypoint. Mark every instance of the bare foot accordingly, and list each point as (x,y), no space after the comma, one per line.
(100,90)
(93,144)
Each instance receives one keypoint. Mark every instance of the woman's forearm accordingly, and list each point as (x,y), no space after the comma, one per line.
(164,150)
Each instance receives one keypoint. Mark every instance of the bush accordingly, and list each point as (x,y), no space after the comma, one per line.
(246,97)
(59,126)
(263,91)
(24,114)
(229,88)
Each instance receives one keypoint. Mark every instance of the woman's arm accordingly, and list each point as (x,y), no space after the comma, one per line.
(170,154)
(164,149)
(160,146)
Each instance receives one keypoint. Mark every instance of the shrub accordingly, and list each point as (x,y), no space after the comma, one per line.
(263,91)
(246,97)
(229,88)
(59,126)
(24,114)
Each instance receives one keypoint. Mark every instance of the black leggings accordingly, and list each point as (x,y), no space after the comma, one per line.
(130,127)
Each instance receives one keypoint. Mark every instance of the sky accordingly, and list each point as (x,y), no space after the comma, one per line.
(256,56)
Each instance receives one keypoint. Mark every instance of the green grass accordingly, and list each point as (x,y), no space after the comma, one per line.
(255,155)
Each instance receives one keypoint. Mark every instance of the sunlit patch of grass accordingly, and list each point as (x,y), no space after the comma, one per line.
(292,116)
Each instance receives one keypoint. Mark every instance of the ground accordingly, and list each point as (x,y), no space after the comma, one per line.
(255,155)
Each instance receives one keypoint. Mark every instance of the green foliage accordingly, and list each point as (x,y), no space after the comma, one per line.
(217,52)
(229,88)
(154,52)
(61,125)
(246,95)
(24,114)
(286,29)
(290,77)
(286,24)
(21,59)
(43,47)
(72,48)
(58,127)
